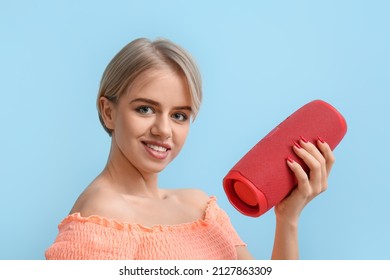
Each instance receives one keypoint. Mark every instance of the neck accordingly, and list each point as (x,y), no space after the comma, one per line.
(126,178)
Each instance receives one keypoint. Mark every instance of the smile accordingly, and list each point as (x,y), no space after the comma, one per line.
(157,148)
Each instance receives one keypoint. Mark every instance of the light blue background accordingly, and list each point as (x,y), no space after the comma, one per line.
(260,61)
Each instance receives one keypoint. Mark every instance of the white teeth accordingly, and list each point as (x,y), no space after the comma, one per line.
(157,148)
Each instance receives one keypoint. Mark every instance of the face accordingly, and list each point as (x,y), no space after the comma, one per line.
(151,121)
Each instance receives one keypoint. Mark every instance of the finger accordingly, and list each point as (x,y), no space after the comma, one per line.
(316,170)
(315,152)
(327,153)
(301,177)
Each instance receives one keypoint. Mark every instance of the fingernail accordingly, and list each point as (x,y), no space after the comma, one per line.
(290,159)
(297,145)
(322,140)
(304,139)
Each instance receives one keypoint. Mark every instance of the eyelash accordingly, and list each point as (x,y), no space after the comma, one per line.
(185,117)
(142,110)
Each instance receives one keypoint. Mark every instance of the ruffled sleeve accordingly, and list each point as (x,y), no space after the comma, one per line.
(85,239)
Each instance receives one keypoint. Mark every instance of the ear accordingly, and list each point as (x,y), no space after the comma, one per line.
(107,111)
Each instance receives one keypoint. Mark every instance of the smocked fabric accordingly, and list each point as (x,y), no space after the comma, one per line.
(96,237)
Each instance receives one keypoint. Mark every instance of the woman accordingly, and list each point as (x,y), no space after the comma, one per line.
(149,94)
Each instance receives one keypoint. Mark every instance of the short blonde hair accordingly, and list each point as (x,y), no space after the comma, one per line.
(141,55)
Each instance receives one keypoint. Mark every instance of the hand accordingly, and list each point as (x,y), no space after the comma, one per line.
(320,160)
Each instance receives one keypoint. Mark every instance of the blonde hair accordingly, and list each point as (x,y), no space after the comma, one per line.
(141,55)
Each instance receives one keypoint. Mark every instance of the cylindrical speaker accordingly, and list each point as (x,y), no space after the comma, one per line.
(261,178)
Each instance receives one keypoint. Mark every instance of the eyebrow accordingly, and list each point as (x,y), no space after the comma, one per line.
(155,103)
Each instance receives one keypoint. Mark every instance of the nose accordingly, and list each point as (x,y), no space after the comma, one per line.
(162,127)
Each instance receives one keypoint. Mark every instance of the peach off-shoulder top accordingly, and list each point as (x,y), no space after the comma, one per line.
(95,237)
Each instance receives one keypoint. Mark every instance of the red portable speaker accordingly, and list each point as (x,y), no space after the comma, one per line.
(261,178)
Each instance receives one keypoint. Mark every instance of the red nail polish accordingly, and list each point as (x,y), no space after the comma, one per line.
(297,145)
(304,139)
(290,159)
(322,140)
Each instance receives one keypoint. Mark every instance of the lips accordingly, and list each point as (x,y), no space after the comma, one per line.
(157,150)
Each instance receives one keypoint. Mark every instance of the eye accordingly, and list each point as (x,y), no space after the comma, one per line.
(180,117)
(145,110)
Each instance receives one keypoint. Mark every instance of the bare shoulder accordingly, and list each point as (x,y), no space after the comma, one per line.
(194,197)
(98,200)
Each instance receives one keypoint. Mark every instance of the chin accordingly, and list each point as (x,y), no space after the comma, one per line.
(154,169)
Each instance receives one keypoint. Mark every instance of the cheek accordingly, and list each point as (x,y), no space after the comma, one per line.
(136,124)
(127,127)
(182,133)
